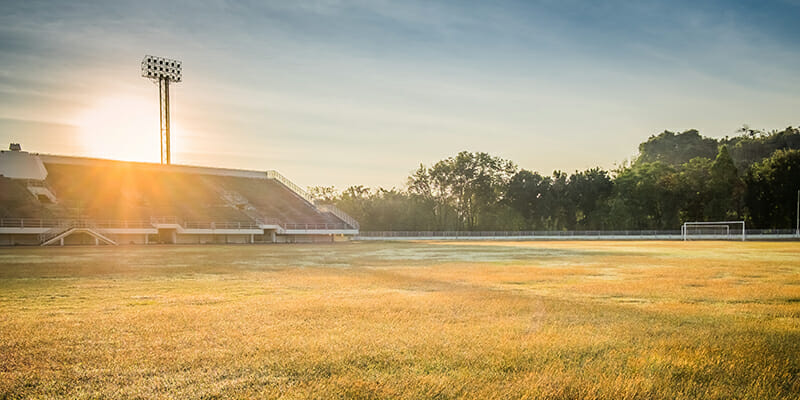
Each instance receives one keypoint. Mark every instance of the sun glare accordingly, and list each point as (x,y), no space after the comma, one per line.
(122,128)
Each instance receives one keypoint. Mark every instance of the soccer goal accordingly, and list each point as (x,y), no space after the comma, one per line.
(713,230)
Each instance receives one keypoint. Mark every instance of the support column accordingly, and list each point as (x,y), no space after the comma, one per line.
(163,94)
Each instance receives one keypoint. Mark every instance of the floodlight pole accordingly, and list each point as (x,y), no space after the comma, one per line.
(162,70)
(163,97)
(797,227)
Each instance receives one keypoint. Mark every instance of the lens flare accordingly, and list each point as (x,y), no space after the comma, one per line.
(122,128)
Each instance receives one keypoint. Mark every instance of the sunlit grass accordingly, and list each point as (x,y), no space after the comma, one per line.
(443,320)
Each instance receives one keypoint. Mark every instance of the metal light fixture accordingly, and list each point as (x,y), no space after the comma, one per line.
(163,71)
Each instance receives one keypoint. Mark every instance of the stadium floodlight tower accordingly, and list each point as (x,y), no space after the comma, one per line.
(162,71)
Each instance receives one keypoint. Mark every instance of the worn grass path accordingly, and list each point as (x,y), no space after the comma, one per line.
(504,320)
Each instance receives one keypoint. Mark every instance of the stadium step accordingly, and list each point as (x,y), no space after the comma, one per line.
(99,237)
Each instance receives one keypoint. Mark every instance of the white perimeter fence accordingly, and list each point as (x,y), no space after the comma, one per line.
(751,234)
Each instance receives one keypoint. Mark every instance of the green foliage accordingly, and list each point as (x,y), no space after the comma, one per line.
(645,197)
(676,178)
(384,209)
(694,177)
(772,187)
(676,149)
(525,195)
(470,184)
(746,149)
(725,187)
(754,146)
(589,191)
(324,194)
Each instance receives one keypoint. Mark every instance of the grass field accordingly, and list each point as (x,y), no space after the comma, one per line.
(504,320)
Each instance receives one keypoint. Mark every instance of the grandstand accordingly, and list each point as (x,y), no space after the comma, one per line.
(49,199)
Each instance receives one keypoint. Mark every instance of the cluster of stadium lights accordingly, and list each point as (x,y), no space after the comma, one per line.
(160,67)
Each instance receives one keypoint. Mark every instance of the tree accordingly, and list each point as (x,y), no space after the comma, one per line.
(677,178)
(470,184)
(430,188)
(355,202)
(646,197)
(772,190)
(324,194)
(725,188)
(525,195)
(561,211)
(589,192)
(693,178)
(750,148)
(676,149)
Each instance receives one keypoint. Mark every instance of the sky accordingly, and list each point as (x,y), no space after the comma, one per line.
(338,92)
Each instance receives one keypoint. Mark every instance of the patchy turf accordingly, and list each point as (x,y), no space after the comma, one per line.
(561,320)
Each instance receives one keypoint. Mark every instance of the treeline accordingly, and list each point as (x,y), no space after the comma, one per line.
(676,177)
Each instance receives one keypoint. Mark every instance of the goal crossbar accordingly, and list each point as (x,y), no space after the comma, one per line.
(712,224)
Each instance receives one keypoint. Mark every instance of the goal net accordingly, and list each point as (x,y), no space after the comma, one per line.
(713,230)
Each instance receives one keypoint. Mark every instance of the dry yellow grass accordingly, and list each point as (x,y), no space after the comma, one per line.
(552,320)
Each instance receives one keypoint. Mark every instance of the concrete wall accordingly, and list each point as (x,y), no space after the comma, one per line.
(305,239)
(80,239)
(213,239)
(19,240)
(139,238)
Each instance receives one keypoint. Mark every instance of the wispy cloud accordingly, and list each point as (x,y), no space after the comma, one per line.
(553,84)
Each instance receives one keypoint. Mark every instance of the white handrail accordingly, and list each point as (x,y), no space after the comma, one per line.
(339,214)
(272,174)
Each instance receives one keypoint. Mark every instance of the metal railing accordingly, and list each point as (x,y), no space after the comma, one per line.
(165,220)
(315,226)
(269,221)
(219,225)
(770,231)
(339,214)
(38,183)
(63,224)
(272,174)
(51,223)
(134,224)
(121,224)
(56,230)
(28,223)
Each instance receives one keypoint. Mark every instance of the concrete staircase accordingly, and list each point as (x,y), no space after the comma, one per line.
(57,234)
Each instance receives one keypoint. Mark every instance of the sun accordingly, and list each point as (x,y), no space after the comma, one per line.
(122,128)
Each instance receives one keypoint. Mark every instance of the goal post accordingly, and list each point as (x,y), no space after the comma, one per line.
(711,230)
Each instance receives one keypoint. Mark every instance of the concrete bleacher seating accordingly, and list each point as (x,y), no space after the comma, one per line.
(17,202)
(273,200)
(121,191)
